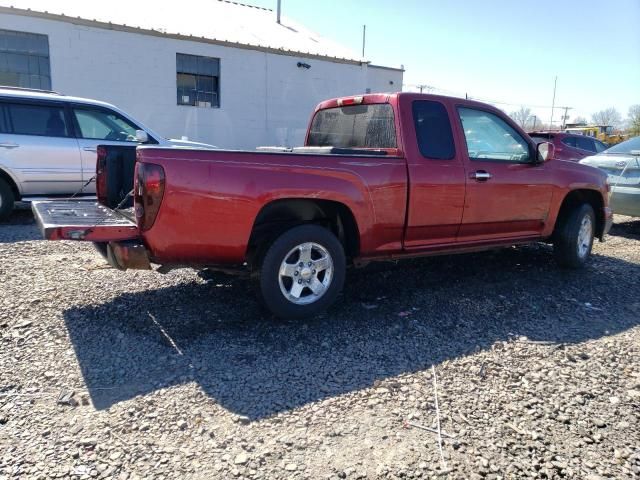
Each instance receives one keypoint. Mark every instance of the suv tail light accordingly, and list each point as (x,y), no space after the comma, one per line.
(148,193)
(101,176)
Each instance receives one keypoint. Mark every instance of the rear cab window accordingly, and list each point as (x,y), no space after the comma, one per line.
(33,119)
(354,126)
(433,130)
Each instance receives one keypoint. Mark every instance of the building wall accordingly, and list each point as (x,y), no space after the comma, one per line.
(266,99)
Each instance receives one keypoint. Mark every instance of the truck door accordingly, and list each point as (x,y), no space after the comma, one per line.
(436,175)
(508,195)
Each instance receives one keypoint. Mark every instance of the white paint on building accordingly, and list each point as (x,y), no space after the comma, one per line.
(265,97)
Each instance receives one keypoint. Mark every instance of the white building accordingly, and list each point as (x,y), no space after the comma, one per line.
(215,71)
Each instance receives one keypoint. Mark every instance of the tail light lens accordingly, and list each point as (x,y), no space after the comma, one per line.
(148,193)
(101,176)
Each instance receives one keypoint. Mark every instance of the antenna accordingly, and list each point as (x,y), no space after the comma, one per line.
(364,38)
(278,11)
(553,102)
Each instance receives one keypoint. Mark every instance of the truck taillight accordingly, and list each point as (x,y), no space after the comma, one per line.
(101,176)
(148,193)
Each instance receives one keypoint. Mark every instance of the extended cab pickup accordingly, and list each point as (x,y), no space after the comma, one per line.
(381,176)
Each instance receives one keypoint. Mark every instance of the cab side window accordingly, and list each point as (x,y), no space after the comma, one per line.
(99,124)
(41,120)
(585,143)
(433,130)
(569,142)
(600,147)
(491,138)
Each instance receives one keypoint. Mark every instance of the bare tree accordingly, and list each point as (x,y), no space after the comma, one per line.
(608,116)
(634,120)
(522,117)
(580,120)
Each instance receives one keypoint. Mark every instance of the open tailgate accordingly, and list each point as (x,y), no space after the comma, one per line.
(82,220)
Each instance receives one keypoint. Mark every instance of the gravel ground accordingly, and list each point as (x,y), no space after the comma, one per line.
(140,375)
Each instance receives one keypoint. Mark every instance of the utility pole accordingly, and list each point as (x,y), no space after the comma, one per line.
(364,38)
(278,11)
(535,119)
(553,102)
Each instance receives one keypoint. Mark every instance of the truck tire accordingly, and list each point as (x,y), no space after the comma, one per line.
(302,272)
(6,199)
(573,238)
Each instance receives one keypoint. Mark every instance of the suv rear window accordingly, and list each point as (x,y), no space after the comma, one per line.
(44,120)
(569,141)
(354,126)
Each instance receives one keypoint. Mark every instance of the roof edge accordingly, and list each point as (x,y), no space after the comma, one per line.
(383,67)
(176,36)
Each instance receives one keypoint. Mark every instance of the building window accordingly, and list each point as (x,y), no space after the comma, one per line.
(198,80)
(24,60)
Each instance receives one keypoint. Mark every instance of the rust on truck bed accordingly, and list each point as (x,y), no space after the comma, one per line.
(82,220)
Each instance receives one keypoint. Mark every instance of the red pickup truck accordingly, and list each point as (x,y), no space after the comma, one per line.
(381,176)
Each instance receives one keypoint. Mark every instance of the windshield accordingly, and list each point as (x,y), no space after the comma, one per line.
(624,147)
(355,126)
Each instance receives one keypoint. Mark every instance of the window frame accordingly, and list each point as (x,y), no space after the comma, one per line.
(217,79)
(414,103)
(100,108)
(29,54)
(5,102)
(532,160)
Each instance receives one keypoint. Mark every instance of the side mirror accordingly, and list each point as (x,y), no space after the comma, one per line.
(545,152)
(142,136)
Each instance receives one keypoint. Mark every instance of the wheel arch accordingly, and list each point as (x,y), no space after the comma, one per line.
(279,215)
(4,175)
(578,197)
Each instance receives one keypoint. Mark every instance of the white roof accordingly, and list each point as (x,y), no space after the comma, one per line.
(213,20)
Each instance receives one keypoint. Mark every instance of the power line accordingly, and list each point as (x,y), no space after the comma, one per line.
(486,100)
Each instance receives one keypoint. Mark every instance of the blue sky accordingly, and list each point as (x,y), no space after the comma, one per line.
(500,50)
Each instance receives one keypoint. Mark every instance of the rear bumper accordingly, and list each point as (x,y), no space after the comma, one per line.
(127,255)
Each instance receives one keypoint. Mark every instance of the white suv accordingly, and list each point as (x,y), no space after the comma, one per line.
(48,143)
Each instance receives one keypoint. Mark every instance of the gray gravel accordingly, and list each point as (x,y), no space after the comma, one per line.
(137,375)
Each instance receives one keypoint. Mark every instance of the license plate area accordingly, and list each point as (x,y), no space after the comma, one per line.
(82,220)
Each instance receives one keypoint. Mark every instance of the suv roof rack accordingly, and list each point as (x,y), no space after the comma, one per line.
(25,89)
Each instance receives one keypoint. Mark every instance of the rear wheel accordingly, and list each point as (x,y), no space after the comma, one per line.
(574,237)
(6,199)
(302,272)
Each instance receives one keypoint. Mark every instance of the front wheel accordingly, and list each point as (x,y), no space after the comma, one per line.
(574,237)
(302,272)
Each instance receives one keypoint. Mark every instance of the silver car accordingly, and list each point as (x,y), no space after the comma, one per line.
(622,164)
(48,143)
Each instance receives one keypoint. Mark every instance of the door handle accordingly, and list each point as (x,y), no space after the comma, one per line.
(90,149)
(9,145)
(481,175)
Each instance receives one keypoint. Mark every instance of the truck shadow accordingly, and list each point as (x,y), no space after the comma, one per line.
(626,227)
(389,321)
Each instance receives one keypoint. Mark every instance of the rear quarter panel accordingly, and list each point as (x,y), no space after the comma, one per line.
(212,198)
